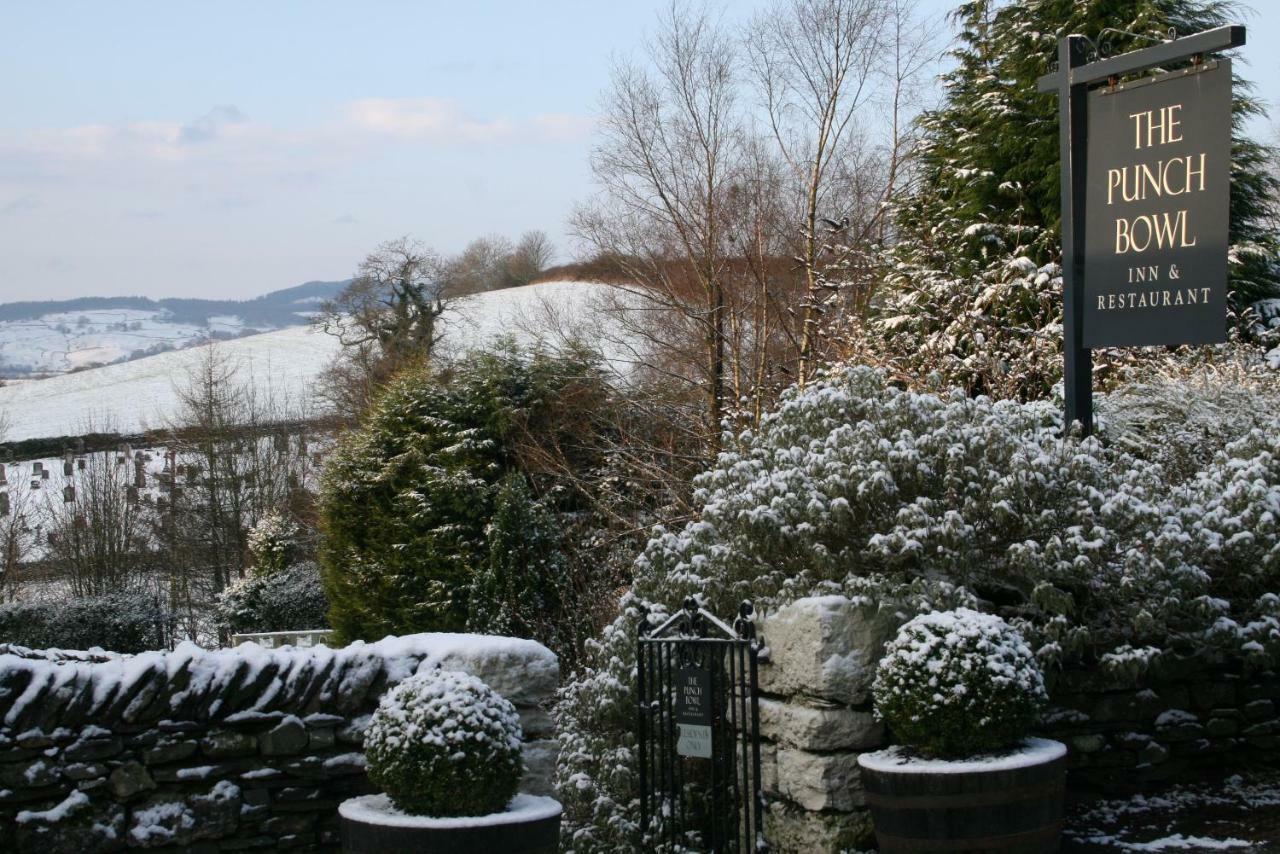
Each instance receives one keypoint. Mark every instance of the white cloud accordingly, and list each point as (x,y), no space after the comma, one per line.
(225,140)
(428,118)
(208,126)
(442,120)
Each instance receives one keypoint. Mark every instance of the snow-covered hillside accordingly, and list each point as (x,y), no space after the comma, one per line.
(132,397)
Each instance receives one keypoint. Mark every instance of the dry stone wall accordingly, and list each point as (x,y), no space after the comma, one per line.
(1185,718)
(1180,720)
(226,750)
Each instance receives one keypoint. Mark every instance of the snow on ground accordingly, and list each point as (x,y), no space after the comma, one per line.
(63,341)
(132,397)
(1240,813)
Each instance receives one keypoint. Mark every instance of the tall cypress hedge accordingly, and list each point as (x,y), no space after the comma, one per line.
(407,498)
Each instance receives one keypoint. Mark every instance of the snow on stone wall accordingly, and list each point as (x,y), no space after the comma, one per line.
(238,747)
(815,715)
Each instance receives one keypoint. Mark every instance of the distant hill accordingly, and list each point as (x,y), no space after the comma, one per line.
(285,365)
(44,338)
(276,309)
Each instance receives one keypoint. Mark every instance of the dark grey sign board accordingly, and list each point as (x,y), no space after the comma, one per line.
(1156,210)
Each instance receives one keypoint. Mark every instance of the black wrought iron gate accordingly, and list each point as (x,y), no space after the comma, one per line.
(699,733)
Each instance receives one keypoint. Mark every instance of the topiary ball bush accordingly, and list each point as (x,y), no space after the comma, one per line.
(443,743)
(959,683)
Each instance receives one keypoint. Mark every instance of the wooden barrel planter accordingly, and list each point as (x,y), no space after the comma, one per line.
(1010,803)
(371,825)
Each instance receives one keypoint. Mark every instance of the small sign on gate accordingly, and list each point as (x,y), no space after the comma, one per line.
(693,712)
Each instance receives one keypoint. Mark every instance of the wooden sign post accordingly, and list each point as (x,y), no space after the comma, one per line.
(1145,177)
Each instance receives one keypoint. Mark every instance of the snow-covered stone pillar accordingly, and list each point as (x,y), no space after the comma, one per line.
(815,716)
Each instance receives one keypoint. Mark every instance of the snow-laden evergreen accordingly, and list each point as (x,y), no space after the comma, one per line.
(974,290)
(957,683)
(289,599)
(1099,554)
(273,542)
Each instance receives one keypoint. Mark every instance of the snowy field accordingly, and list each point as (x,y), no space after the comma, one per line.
(64,341)
(132,397)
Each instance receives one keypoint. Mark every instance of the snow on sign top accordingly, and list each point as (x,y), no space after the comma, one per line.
(133,397)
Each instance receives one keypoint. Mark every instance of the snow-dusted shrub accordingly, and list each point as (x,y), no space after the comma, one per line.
(284,600)
(521,589)
(408,499)
(129,621)
(958,683)
(273,543)
(1182,414)
(443,743)
(935,501)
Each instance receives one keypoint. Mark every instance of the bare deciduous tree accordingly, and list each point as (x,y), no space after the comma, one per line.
(386,317)
(16,538)
(666,167)
(816,64)
(99,540)
(243,450)
(482,266)
(531,256)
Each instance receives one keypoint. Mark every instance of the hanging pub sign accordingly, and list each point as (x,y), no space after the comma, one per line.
(1145,176)
(1156,210)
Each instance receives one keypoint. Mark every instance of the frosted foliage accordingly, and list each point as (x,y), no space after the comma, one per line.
(272,542)
(288,599)
(444,743)
(956,683)
(1095,550)
(1182,421)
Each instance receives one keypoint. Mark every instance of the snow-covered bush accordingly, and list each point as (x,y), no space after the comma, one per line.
(958,683)
(130,621)
(443,743)
(409,498)
(273,543)
(521,589)
(936,501)
(1181,414)
(284,600)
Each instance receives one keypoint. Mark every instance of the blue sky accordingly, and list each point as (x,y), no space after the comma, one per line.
(230,148)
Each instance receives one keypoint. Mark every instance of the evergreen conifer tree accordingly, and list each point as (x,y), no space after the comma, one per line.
(428,509)
(521,589)
(974,283)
